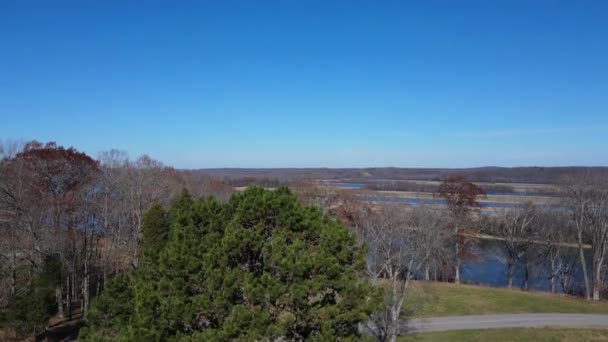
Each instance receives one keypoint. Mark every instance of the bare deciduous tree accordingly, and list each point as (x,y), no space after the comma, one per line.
(587,198)
(513,226)
(400,241)
(59,202)
(431,225)
(553,231)
(130,189)
(316,194)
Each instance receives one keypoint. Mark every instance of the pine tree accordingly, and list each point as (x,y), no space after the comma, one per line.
(30,308)
(154,231)
(155,236)
(260,267)
(110,312)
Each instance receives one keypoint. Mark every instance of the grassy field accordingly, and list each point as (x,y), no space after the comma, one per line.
(503,335)
(444,299)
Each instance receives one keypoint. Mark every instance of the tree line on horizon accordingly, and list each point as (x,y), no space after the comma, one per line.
(522,174)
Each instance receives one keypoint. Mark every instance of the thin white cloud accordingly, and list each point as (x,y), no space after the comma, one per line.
(503,133)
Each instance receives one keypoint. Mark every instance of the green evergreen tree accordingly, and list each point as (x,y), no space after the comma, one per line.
(260,267)
(155,236)
(182,204)
(154,231)
(110,312)
(32,305)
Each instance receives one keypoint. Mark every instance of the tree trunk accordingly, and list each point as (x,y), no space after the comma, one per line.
(427,273)
(85,287)
(457,267)
(394,314)
(74,287)
(457,271)
(564,281)
(597,280)
(99,283)
(596,293)
(583,264)
(59,297)
(14,273)
(552,275)
(510,266)
(526,275)
(394,325)
(69,298)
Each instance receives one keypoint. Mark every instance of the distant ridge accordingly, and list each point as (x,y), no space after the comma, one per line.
(527,174)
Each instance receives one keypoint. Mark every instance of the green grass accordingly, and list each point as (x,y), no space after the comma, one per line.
(502,335)
(444,299)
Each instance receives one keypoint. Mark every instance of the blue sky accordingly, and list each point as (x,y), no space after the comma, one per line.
(311,83)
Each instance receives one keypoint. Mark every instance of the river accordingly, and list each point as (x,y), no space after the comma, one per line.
(489,266)
(490,269)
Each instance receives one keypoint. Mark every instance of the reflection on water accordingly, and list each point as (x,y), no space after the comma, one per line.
(434,201)
(491,269)
(346,185)
(438,201)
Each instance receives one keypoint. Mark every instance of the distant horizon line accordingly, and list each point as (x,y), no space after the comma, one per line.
(399,167)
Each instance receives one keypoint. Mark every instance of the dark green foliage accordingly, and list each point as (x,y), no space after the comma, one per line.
(32,305)
(110,312)
(182,204)
(260,267)
(154,231)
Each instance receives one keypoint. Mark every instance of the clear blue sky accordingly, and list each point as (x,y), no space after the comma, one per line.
(311,83)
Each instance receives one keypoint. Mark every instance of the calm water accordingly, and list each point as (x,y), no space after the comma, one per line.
(346,185)
(491,269)
(437,201)
(394,199)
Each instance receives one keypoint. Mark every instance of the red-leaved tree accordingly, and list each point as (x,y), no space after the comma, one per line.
(461,197)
